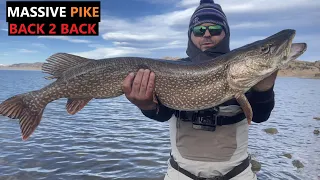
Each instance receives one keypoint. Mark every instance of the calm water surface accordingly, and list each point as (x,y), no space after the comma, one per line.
(111,139)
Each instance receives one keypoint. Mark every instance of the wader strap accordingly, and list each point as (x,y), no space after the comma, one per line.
(219,120)
(233,173)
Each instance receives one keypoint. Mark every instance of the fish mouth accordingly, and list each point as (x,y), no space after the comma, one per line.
(281,43)
(293,50)
(296,50)
(287,37)
(292,34)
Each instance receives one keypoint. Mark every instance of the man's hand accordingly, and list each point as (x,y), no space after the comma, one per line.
(267,83)
(139,89)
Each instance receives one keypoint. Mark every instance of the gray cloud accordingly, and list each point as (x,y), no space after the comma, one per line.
(249,20)
(39,45)
(66,38)
(26,51)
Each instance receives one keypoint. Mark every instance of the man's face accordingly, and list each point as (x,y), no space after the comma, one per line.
(207,40)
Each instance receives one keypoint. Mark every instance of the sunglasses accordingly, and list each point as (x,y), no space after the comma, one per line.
(215,30)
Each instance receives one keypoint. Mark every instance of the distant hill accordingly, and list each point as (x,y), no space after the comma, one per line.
(295,68)
(302,69)
(23,66)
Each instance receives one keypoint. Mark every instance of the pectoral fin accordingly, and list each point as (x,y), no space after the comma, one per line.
(245,105)
(75,105)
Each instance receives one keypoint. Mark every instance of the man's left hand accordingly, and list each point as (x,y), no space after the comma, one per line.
(266,83)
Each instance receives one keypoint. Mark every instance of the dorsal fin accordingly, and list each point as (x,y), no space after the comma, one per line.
(58,63)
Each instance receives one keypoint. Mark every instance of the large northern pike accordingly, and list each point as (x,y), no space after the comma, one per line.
(179,85)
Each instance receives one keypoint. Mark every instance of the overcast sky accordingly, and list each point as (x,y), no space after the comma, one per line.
(158,28)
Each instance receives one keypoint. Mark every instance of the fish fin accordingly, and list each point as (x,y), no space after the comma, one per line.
(155,99)
(245,105)
(16,108)
(75,105)
(58,63)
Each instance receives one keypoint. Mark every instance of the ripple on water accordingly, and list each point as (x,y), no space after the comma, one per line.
(111,139)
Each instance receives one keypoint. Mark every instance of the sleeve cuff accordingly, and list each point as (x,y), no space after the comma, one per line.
(151,112)
(262,96)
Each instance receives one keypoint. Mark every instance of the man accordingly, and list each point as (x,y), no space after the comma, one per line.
(202,147)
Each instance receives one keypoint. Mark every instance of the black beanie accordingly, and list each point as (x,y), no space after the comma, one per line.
(209,12)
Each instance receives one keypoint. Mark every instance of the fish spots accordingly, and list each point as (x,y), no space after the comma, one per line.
(177,88)
(191,93)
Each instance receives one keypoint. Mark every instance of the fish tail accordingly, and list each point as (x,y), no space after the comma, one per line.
(22,107)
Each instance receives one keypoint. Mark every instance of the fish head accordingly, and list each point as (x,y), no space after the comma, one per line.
(277,50)
(272,52)
(260,59)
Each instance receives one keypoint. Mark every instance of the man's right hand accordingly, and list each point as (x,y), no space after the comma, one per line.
(139,89)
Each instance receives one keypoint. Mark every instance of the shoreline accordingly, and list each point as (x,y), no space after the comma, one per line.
(19,69)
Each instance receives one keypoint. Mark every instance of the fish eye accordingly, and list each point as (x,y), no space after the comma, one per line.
(266,48)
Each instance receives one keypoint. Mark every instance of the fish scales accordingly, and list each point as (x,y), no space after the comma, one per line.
(179,85)
(189,85)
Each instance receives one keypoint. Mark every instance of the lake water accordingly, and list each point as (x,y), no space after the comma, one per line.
(111,139)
